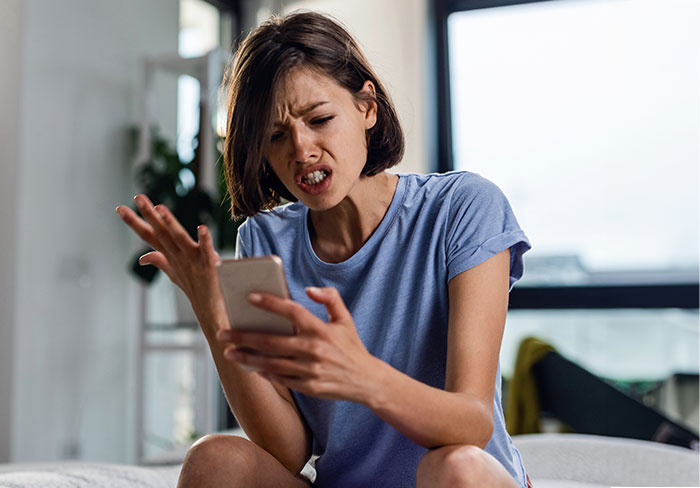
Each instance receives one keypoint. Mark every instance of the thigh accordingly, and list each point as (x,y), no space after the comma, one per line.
(232,461)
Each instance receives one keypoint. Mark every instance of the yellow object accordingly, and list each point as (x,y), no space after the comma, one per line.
(523,408)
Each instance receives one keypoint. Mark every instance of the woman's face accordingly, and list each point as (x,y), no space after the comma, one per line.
(318,145)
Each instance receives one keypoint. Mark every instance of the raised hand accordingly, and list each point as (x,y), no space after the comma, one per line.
(190,265)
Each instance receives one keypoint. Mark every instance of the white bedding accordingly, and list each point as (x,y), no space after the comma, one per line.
(86,475)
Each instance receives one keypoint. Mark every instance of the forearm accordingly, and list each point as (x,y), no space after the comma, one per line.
(428,416)
(268,419)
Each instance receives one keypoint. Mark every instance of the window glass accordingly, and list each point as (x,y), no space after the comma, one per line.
(199,28)
(586,114)
(199,34)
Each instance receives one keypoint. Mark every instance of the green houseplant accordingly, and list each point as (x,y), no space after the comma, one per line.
(166,179)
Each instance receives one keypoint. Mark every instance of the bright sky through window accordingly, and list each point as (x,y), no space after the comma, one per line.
(586,114)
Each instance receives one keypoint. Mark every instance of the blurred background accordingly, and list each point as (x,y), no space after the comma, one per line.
(585,112)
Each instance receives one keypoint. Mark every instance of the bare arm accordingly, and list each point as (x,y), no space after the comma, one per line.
(266,412)
(329,360)
(463,412)
(274,425)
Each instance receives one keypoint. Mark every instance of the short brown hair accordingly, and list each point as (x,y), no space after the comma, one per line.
(263,58)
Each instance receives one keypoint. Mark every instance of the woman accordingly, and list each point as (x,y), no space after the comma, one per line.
(399,284)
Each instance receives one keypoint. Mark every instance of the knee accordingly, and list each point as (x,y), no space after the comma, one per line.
(215,452)
(462,466)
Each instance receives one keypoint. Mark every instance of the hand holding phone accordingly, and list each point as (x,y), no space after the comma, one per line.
(241,277)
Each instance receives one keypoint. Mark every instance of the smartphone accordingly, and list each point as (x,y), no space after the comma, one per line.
(240,277)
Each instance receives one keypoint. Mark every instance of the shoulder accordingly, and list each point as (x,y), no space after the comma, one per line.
(270,226)
(452,188)
(471,186)
(278,218)
(450,180)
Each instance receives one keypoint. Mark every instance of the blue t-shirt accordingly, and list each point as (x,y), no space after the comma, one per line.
(396,288)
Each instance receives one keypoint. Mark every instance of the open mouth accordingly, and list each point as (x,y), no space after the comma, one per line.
(315,177)
(315,181)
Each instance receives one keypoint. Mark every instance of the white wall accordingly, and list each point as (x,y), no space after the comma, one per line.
(394,36)
(73,316)
(10,62)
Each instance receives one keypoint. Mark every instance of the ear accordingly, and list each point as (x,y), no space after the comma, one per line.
(370,106)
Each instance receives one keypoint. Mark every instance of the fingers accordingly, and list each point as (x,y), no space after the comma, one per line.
(139,226)
(177,233)
(293,311)
(269,364)
(331,299)
(159,227)
(154,217)
(270,344)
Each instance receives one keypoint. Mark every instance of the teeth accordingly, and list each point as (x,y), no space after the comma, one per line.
(315,177)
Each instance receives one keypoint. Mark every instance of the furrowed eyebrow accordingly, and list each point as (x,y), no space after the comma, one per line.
(309,108)
(304,110)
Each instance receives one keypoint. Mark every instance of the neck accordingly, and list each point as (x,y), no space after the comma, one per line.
(338,233)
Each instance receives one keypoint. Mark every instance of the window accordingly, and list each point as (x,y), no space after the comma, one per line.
(199,34)
(587,114)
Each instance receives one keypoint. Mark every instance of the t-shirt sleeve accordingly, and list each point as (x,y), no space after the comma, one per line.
(481,224)
(243,241)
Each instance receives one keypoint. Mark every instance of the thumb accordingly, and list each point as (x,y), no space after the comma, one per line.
(331,299)
(156,259)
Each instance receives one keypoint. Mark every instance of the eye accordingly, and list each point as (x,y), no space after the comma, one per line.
(322,120)
(276,136)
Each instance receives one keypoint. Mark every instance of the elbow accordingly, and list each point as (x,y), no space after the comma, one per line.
(482,430)
(296,458)
(476,424)
(293,460)
(476,431)
(485,433)
(294,466)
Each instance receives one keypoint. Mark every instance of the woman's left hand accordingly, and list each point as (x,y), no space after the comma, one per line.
(324,359)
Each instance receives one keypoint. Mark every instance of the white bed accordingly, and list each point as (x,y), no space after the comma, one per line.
(552,460)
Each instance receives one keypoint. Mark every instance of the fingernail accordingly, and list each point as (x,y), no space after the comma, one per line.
(119,210)
(161,210)
(313,289)
(255,297)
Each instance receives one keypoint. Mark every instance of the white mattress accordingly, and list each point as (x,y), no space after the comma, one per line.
(86,475)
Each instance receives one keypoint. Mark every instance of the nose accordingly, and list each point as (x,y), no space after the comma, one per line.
(304,148)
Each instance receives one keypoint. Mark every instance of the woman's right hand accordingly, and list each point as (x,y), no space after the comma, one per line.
(190,265)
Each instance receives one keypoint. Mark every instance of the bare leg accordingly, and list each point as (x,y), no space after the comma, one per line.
(462,466)
(232,461)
